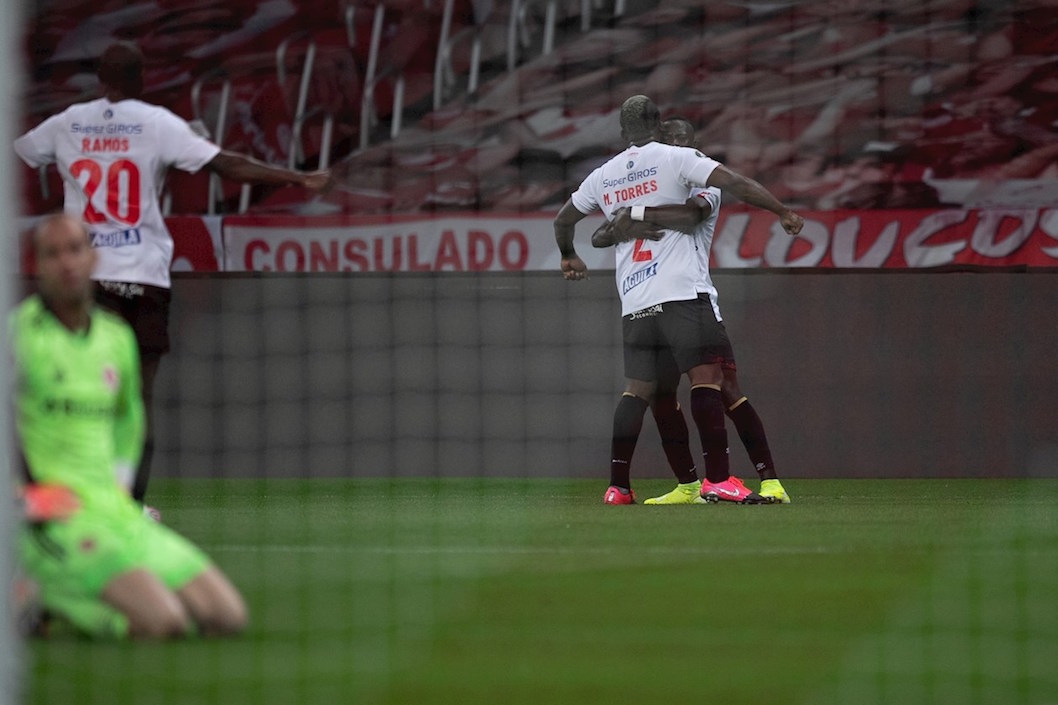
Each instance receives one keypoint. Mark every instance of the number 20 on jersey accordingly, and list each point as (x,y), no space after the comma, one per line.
(121,189)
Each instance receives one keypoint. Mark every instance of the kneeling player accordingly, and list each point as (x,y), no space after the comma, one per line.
(97,560)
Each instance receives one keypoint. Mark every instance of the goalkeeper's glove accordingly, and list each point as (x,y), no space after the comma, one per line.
(42,502)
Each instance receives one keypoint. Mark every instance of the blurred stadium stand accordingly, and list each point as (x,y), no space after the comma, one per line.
(425,105)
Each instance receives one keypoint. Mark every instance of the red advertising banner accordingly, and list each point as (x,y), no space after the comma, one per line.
(891,239)
(197,243)
(465,242)
(471,242)
(744,239)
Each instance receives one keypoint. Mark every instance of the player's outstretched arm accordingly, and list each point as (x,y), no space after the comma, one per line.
(572,266)
(754,194)
(239,167)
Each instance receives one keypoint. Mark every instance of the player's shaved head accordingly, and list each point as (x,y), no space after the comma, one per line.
(121,69)
(640,119)
(677,121)
(64,261)
(678,131)
(57,224)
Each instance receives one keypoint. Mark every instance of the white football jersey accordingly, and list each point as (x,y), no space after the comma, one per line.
(676,267)
(113,158)
(703,236)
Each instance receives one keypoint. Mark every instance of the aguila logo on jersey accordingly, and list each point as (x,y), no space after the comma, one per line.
(638,277)
(630,164)
(107,114)
(119,238)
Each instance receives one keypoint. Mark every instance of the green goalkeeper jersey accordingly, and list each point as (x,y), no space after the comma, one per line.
(78,406)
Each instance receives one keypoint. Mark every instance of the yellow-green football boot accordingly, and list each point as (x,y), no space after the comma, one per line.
(772,490)
(686,493)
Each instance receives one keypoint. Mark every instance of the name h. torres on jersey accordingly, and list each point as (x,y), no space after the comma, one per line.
(619,194)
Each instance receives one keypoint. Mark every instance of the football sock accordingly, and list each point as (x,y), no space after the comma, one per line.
(627,423)
(751,431)
(675,439)
(707,408)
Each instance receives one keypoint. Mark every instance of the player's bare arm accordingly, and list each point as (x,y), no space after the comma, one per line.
(684,218)
(607,234)
(604,236)
(572,266)
(238,167)
(754,194)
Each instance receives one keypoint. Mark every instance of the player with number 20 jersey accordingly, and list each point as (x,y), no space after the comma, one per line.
(113,157)
(112,154)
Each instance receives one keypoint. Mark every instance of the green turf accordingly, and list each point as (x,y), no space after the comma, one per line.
(507,592)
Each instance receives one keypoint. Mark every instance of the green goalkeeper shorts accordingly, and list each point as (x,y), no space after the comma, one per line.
(82,554)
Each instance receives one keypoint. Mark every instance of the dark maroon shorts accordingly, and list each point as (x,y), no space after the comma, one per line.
(145,307)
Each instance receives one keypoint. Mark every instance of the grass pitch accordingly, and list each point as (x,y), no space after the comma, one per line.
(532,591)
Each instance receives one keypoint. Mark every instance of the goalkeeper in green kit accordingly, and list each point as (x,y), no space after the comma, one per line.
(96,560)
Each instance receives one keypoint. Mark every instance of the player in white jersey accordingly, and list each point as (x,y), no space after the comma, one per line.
(113,154)
(667,298)
(697,217)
